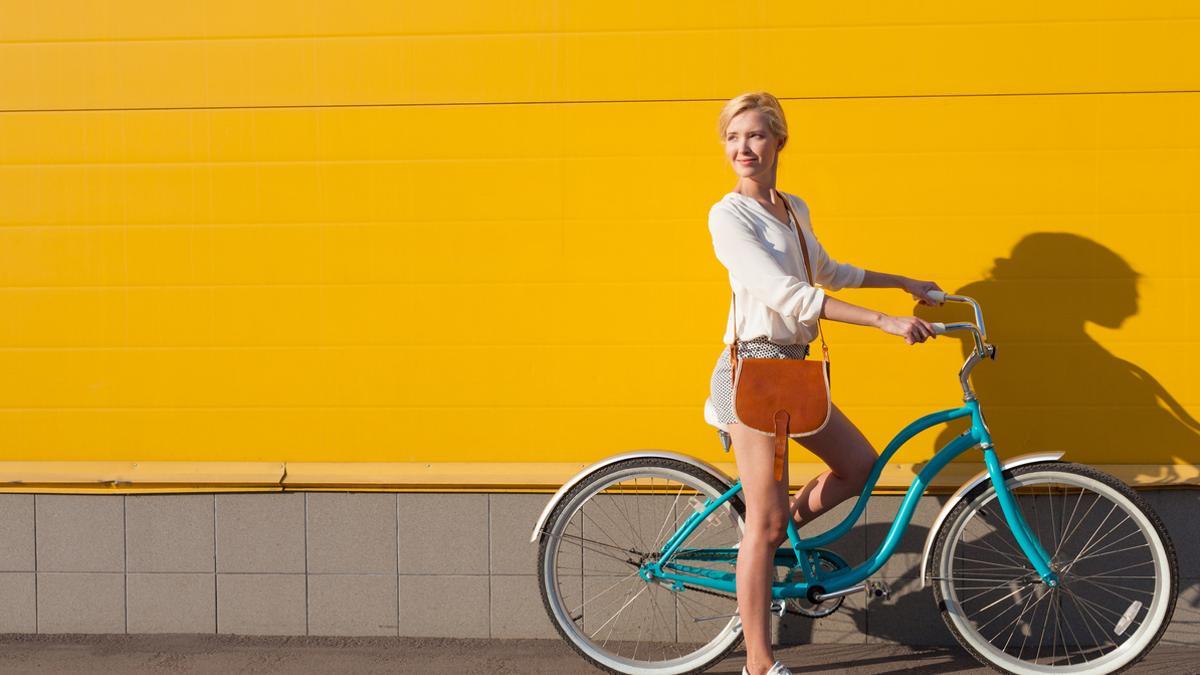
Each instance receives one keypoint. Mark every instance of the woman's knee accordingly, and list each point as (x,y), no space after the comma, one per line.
(771,527)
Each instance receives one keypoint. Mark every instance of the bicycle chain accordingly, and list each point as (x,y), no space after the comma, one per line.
(786,608)
(724,556)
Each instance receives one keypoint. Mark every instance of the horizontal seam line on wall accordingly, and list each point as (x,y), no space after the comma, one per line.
(515,159)
(597,101)
(621,31)
(507,222)
(883,344)
(489,283)
(545,406)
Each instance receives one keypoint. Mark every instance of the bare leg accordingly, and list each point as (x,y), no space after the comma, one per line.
(766,528)
(850,458)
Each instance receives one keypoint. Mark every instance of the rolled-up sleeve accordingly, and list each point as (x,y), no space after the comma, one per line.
(830,273)
(836,275)
(741,251)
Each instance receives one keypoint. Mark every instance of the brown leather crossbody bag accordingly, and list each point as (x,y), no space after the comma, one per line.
(786,398)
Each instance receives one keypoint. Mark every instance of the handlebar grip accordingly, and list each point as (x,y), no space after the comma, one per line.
(936,296)
(939,328)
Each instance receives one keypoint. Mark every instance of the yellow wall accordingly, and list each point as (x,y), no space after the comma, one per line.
(476,232)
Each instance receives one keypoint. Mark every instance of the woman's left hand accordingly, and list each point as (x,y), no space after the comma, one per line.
(919,290)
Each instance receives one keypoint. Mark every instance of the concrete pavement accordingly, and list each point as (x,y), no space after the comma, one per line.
(224,654)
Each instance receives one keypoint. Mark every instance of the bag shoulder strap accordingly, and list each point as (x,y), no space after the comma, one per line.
(811,280)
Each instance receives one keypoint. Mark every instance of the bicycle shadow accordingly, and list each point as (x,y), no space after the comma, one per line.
(909,617)
(1057,388)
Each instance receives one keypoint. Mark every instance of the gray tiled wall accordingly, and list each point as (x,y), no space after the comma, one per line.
(411,564)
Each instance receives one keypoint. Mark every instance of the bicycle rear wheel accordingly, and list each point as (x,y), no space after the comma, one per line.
(597,539)
(1114,560)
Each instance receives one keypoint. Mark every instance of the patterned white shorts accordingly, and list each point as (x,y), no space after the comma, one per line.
(721,384)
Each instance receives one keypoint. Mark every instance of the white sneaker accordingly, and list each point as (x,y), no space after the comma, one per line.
(777,668)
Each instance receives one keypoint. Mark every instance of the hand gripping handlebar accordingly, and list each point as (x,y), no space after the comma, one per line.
(978,331)
(982,348)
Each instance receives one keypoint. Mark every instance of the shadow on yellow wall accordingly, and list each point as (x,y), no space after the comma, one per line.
(1054,387)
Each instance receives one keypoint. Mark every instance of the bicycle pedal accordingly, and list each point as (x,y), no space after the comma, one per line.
(878,589)
(778,607)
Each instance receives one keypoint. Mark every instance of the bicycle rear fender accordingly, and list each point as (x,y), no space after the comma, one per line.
(687,459)
(961,494)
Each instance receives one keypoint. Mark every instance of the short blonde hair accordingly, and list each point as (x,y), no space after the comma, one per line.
(761,101)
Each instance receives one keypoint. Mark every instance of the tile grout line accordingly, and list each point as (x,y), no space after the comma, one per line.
(216,608)
(125,557)
(488,516)
(397,565)
(397,511)
(305,530)
(36,628)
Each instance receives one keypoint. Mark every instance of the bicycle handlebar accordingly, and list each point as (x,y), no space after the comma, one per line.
(978,332)
(977,329)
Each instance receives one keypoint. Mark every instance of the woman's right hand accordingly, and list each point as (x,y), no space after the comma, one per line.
(912,328)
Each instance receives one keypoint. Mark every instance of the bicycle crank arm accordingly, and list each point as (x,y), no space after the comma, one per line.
(822,597)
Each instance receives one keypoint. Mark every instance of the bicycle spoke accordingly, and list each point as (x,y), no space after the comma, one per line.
(1088,616)
(612,528)
(1107,561)
(1096,553)
(660,538)
(618,613)
(998,601)
(987,589)
(1053,530)
(1003,612)
(670,628)
(1041,636)
(1081,519)
(1120,550)
(1016,622)
(586,517)
(1070,519)
(1097,607)
(1023,568)
(1022,561)
(983,519)
(1109,575)
(619,508)
(1099,529)
(1074,637)
(598,551)
(618,583)
(1115,586)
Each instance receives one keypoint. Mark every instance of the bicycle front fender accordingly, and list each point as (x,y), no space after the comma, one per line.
(961,494)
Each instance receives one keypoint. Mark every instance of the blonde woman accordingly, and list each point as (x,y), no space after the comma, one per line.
(777,308)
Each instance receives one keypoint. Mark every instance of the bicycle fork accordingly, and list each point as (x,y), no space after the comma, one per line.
(1026,539)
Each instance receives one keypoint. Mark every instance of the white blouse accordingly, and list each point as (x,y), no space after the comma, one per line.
(775,298)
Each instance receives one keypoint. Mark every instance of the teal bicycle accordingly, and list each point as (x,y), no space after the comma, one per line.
(1037,565)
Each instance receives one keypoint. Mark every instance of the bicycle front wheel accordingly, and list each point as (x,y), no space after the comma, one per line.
(1115,564)
(598,538)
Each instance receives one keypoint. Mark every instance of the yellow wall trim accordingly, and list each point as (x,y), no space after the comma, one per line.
(163,477)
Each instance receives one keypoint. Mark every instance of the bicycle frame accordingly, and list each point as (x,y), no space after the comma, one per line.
(668,567)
